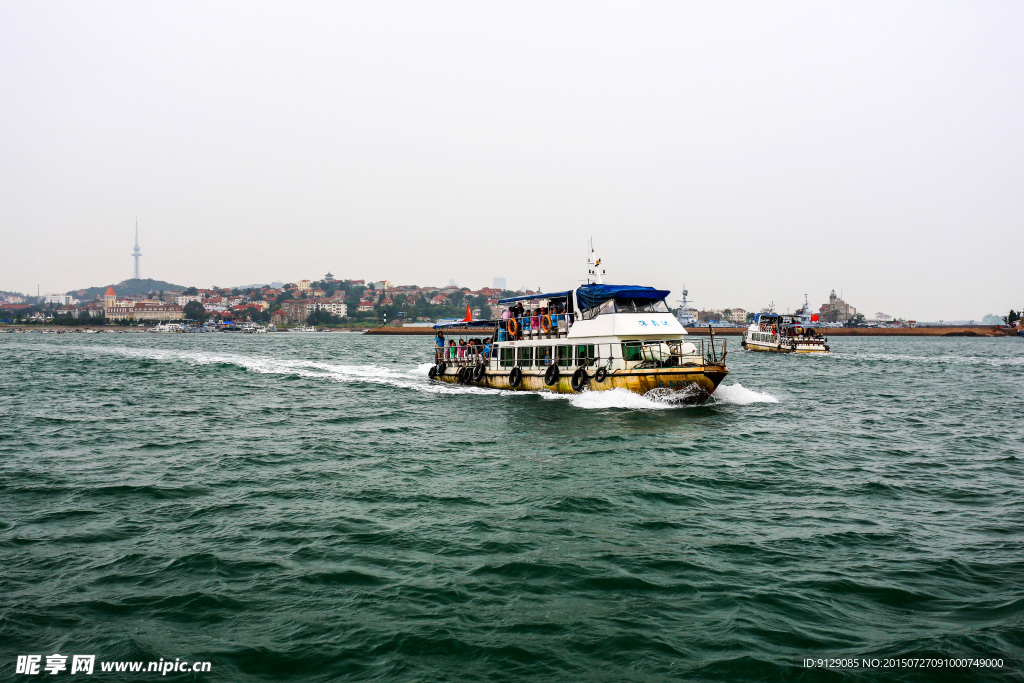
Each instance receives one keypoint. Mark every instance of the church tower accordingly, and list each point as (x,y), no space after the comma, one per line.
(109,300)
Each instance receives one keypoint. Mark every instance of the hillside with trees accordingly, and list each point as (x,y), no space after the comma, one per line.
(130,287)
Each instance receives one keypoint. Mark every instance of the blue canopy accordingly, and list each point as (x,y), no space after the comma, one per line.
(553,295)
(590,296)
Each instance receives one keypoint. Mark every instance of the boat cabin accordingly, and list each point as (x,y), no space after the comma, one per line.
(615,327)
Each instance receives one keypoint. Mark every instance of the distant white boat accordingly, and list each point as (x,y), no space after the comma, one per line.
(171,328)
(307,328)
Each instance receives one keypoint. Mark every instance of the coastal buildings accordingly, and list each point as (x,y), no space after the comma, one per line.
(836,310)
(295,311)
(138,310)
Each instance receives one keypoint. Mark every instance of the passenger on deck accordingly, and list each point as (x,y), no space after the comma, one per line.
(451,349)
(439,344)
(487,348)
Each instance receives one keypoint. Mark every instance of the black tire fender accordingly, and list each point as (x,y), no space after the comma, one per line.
(515,378)
(479,371)
(432,372)
(579,379)
(441,368)
(551,375)
(601,375)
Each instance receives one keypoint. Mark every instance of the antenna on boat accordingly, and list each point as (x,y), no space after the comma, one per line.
(594,265)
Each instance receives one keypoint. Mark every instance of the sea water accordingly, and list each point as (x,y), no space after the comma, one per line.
(313,507)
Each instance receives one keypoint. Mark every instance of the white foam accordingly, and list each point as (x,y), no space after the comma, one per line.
(739,395)
(619,398)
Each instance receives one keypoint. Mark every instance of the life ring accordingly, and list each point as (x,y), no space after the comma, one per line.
(513,326)
(551,375)
(479,371)
(579,379)
(432,372)
(545,324)
(515,377)
(601,375)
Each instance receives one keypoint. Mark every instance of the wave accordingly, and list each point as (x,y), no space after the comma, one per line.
(415,377)
(737,394)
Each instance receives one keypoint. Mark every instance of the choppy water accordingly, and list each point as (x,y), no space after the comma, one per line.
(311,507)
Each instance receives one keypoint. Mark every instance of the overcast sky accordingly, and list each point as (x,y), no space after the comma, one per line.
(753,151)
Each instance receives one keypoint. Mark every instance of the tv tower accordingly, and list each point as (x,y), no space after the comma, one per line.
(135,252)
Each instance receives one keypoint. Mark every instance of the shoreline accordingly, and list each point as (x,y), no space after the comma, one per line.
(929,331)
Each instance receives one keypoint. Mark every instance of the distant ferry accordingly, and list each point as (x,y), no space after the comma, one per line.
(785,333)
(596,336)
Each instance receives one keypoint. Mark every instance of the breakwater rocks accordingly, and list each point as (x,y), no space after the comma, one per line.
(929,331)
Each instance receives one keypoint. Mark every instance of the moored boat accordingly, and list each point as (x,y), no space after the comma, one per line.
(597,336)
(172,328)
(686,315)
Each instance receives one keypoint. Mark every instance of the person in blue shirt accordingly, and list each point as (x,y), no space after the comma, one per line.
(487,348)
(439,344)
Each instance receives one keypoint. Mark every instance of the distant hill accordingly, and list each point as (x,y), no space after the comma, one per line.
(275,285)
(126,288)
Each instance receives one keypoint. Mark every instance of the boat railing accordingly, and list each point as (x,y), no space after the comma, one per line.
(546,326)
(643,354)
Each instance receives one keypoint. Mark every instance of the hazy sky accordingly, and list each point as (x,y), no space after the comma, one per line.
(754,151)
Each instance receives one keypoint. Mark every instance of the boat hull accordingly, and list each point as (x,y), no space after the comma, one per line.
(695,384)
(784,348)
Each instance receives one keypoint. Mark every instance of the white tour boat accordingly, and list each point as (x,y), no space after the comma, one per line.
(785,333)
(597,336)
(172,328)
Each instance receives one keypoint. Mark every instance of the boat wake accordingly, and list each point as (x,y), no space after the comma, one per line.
(415,377)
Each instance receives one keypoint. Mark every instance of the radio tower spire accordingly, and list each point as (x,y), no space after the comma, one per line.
(135,252)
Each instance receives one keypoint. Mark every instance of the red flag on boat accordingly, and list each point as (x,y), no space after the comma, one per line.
(469,316)
(814,318)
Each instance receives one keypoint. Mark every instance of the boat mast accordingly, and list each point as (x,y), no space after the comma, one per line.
(593,264)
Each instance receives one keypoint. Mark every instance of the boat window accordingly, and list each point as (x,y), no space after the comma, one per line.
(632,350)
(641,306)
(606,307)
(564,356)
(544,355)
(526,356)
(508,357)
(584,354)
